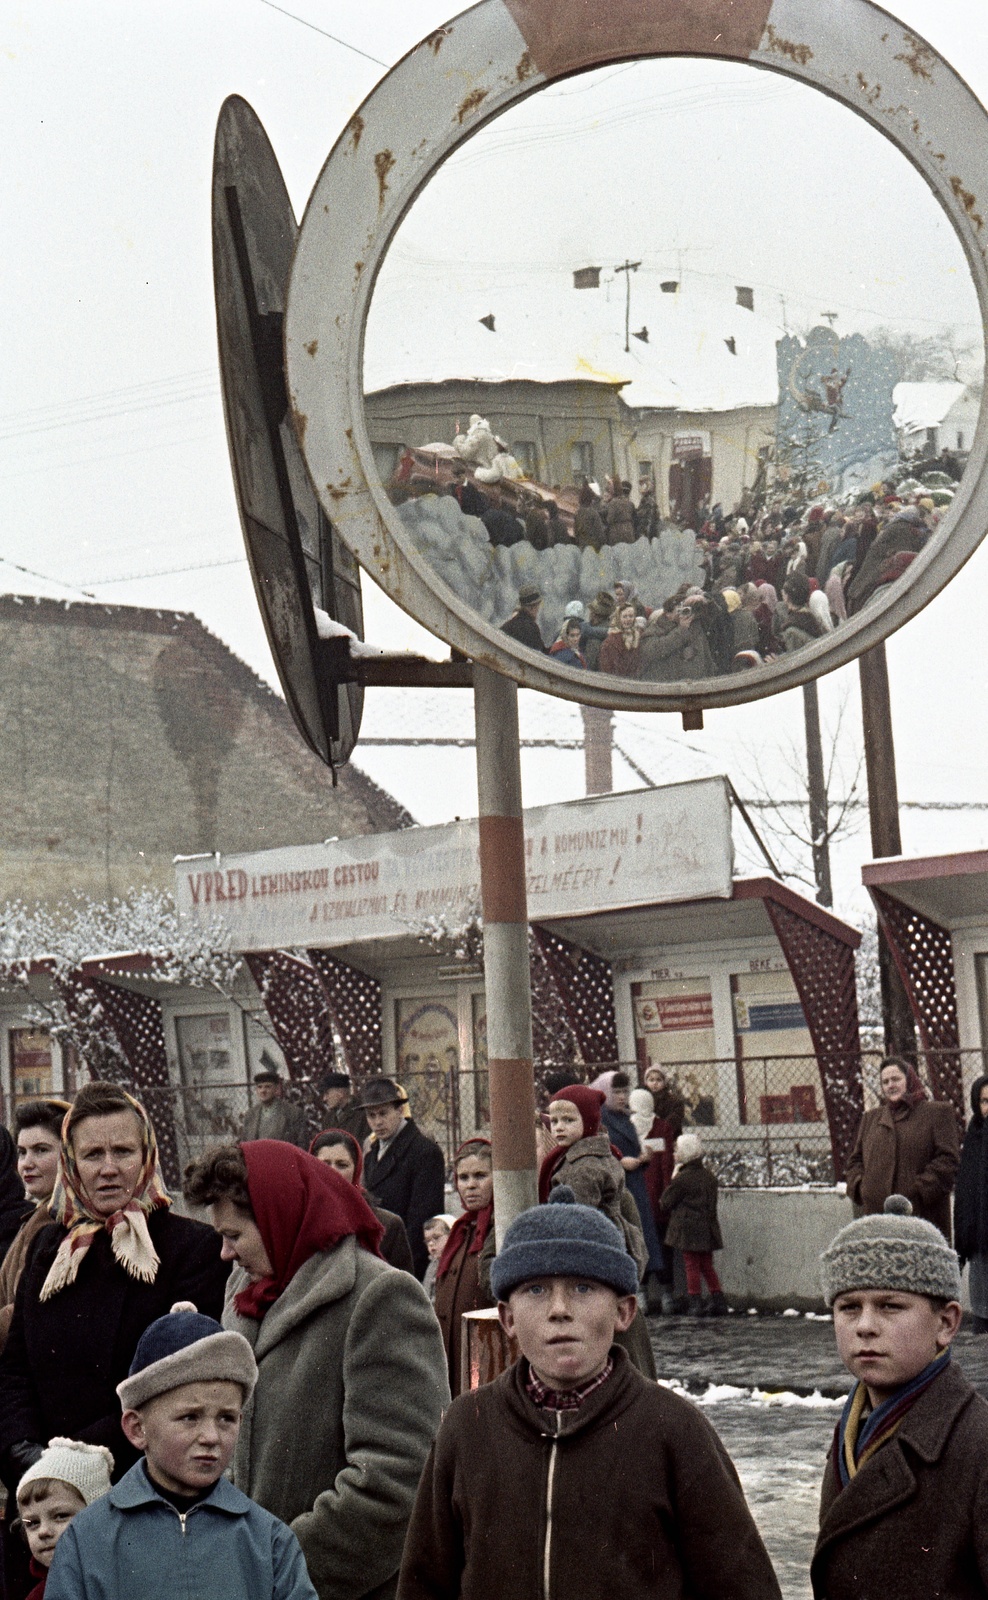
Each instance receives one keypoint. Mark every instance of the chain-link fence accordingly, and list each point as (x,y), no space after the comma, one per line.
(762,1119)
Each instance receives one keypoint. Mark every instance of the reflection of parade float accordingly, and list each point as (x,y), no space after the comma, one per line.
(489,576)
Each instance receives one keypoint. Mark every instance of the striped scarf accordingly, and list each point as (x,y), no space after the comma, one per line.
(130,1240)
(857,1440)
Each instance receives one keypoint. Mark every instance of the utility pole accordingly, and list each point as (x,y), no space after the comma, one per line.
(628,268)
(598,744)
(507,979)
(886,840)
(817,789)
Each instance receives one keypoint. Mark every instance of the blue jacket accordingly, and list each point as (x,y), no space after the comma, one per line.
(133,1545)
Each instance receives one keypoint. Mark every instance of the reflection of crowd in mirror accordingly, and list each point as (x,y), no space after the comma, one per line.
(773,584)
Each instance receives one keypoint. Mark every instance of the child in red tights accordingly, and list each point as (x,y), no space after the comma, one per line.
(690,1202)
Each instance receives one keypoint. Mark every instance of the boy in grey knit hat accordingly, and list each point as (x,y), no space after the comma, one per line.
(904,1508)
(174,1525)
(572,1474)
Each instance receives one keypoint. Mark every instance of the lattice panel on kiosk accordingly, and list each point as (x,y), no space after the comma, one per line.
(822,968)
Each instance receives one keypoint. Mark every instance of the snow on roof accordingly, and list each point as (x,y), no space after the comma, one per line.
(919,406)
(426,328)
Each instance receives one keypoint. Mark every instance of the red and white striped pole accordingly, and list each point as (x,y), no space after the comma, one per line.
(507,979)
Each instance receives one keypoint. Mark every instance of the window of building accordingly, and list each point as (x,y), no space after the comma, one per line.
(30,1064)
(581,459)
(527,457)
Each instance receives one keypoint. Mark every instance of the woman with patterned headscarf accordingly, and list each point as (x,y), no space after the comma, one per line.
(114,1258)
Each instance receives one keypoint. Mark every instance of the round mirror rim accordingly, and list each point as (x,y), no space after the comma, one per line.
(488,58)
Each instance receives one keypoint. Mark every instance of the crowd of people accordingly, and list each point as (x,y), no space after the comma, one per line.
(278,1401)
(766,586)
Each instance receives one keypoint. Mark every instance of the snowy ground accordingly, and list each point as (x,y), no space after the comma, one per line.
(772,1386)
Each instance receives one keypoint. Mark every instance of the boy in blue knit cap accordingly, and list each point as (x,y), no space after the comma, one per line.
(174,1525)
(572,1474)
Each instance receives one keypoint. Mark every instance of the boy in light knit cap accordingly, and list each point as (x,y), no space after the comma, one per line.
(904,1509)
(174,1525)
(66,1478)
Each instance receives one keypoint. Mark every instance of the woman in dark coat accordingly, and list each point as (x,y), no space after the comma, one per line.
(342,1151)
(15,1207)
(907,1145)
(114,1259)
(971,1204)
(624,1139)
(463,1274)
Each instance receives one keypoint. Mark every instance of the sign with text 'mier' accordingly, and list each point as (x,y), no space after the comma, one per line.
(649,847)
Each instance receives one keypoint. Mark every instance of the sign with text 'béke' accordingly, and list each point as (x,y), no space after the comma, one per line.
(650,846)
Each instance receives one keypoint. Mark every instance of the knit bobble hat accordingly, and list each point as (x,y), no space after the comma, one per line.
(186,1347)
(563,1240)
(84,1467)
(893,1250)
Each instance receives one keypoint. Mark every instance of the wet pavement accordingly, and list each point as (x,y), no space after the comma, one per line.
(773,1387)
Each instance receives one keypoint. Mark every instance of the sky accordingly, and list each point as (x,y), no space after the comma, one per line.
(114,476)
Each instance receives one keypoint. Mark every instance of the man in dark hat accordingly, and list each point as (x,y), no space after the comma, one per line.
(523,624)
(405,1171)
(340,1106)
(272,1117)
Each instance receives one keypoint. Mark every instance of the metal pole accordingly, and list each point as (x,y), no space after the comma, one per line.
(816,785)
(507,980)
(886,840)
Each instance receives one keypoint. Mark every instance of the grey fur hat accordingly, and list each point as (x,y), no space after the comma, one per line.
(186,1347)
(893,1250)
(563,1240)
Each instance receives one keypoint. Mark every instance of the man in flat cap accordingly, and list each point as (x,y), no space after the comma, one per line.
(271,1116)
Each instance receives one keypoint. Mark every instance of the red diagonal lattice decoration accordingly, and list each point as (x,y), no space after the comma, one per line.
(585,987)
(136,1021)
(822,968)
(355,1002)
(294,1000)
(554,1043)
(924,955)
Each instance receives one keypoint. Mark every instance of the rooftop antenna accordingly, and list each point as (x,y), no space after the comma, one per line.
(628,268)
(830,316)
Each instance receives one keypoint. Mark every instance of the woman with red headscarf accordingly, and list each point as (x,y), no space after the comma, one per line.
(907,1145)
(462,1277)
(351,1368)
(341,1151)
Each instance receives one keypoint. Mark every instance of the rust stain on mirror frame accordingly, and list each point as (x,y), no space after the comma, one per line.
(569,34)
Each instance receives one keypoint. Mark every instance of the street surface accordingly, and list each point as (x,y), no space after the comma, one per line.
(772,1386)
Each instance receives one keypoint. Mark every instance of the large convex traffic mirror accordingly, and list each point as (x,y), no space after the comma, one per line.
(664,387)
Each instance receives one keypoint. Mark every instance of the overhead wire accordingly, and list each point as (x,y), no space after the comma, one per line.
(335,38)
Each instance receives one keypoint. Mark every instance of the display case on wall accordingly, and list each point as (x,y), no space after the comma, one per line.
(674,1029)
(778,1078)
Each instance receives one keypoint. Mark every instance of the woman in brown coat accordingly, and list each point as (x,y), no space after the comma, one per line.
(908,1145)
(462,1277)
